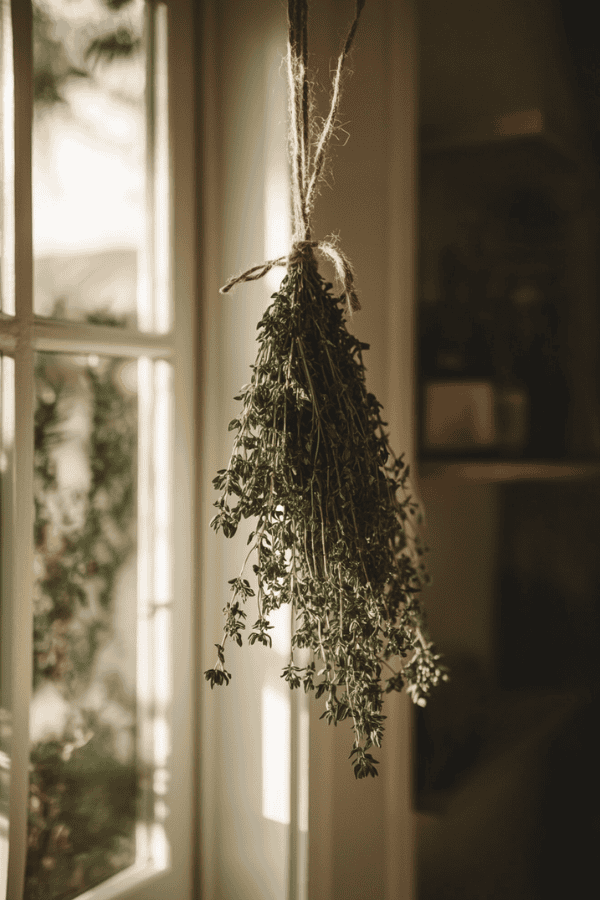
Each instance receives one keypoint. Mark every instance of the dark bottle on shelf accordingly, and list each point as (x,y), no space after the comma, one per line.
(458,411)
(538,366)
(458,350)
(512,415)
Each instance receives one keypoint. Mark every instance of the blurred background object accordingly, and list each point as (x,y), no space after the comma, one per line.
(508,310)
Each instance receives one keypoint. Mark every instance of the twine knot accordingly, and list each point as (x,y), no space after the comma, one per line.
(306,172)
(302,251)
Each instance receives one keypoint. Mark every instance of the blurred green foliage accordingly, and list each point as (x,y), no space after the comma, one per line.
(84,784)
(64,51)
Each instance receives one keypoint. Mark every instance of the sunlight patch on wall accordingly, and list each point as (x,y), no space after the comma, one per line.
(278,232)
(303,770)
(281,635)
(277,210)
(276,737)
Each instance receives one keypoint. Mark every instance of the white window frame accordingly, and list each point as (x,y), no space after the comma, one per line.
(24,334)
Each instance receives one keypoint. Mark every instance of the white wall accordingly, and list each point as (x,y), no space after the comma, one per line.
(369,850)
(360,833)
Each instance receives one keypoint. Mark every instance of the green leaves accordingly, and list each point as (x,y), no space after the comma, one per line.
(260,632)
(234,615)
(291,674)
(241,586)
(217,676)
(364,764)
(335,531)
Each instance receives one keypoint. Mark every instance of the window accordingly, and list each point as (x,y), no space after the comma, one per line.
(96,449)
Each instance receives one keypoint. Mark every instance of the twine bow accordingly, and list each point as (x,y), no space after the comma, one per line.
(306,171)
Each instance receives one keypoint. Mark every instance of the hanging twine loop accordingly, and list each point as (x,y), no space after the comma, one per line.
(307,169)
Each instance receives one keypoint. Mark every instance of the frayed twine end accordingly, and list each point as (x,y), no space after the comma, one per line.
(329,249)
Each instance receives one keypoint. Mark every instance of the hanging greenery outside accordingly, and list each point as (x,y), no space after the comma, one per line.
(84,781)
(336,528)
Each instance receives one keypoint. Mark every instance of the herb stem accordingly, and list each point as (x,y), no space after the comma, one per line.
(335,532)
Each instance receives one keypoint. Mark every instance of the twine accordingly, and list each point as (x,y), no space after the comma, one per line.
(306,173)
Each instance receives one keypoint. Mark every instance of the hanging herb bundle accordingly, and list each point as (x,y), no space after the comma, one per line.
(335,533)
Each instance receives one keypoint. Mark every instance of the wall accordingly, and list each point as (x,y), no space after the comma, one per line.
(369,851)
(483,61)
(462,533)
(360,833)
(244,855)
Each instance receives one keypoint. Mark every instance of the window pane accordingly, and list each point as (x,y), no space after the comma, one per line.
(98,152)
(7,247)
(98,730)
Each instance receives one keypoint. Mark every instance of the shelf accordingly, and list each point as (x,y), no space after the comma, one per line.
(494,143)
(496,471)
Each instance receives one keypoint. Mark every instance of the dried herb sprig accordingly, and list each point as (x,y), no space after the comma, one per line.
(335,532)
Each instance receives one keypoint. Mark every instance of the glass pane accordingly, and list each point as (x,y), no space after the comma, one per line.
(7,246)
(98,154)
(98,770)
(7,428)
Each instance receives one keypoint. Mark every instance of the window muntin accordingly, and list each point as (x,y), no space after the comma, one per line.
(146,373)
